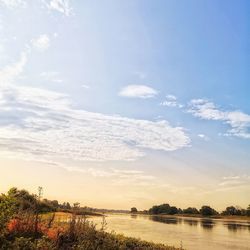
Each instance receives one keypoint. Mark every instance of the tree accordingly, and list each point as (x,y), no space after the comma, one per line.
(161,209)
(232,211)
(68,205)
(248,211)
(133,210)
(154,210)
(7,210)
(173,210)
(55,203)
(191,210)
(24,200)
(76,205)
(207,211)
(164,209)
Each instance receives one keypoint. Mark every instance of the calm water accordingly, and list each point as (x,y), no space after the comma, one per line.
(206,234)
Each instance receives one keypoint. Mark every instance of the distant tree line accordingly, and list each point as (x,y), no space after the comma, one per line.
(236,211)
(204,210)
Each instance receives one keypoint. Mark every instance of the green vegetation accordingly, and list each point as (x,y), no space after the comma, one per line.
(190,210)
(25,226)
(237,211)
(203,211)
(163,209)
(133,210)
(208,211)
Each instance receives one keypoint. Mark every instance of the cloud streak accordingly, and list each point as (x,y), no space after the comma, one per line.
(62,6)
(41,43)
(138,91)
(42,122)
(11,4)
(232,182)
(171,101)
(10,72)
(237,120)
(38,123)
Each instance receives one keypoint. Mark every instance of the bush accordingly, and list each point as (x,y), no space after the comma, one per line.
(207,211)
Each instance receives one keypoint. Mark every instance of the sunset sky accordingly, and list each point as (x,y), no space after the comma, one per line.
(126,103)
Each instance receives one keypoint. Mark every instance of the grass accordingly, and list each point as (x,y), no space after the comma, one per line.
(54,232)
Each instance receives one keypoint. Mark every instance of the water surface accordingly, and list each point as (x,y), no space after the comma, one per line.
(192,233)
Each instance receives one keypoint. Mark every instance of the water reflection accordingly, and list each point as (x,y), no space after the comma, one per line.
(195,233)
(134,216)
(231,226)
(190,222)
(205,223)
(166,220)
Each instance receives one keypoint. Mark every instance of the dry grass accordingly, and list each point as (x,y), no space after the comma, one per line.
(76,232)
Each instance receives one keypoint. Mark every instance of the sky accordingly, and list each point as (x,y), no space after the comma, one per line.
(117,104)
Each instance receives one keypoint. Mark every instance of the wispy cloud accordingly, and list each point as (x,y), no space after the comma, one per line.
(171,101)
(234,177)
(10,72)
(41,123)
(11,4)
(231,182)
(120,177)
(85,86)
(62,6)
(131,177)
(41,43)
(237,120)
(52,76)
(204,137)
(138,91)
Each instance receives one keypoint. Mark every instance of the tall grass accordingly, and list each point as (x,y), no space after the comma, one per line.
(28,231)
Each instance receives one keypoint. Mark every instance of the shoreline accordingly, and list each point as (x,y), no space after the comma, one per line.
(235,218)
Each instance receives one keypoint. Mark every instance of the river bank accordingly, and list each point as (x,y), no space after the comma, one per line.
(191,232)
(214,217)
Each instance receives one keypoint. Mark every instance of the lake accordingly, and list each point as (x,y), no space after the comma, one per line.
(192,233)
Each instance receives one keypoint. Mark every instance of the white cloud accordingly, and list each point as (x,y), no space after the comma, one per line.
(237,120)
(119,176)
(206,110)
(204,137)
(62,6)
(11,4)
(41,124)
(171,101)
(138,91)
(85,86)
(10,72)
(235,177)
(41,43)
(234,181)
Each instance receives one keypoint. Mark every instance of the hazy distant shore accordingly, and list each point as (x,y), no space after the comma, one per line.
(216,217)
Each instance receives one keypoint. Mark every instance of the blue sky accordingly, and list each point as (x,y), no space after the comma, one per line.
(143,96)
